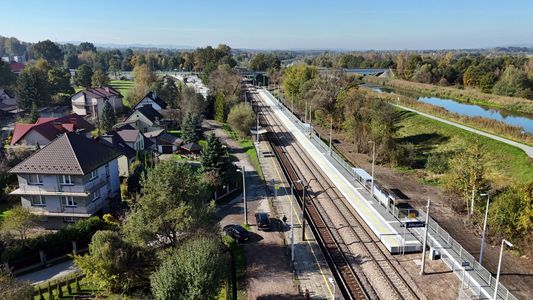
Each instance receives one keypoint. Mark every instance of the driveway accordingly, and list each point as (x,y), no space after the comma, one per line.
(51,273)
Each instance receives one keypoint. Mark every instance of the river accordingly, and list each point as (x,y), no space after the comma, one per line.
(522,120)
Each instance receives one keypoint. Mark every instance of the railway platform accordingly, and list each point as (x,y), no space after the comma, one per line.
(388,229)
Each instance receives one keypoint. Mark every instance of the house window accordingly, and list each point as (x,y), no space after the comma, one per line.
(96,195)
(68,201)
(66,180)
(35,179)
(38,201)
(69,220)
(94,174)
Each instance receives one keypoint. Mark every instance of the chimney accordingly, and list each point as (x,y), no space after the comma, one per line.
(106,89)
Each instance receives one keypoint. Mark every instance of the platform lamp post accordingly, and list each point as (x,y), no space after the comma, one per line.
(306,186)
(484,233)
(292,219)
(425,239)
(504,242)
(373,163)
(242,170)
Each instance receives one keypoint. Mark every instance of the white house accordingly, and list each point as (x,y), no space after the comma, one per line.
(151,99)
(91,101)
(127,141)
(73,177)
(145,119)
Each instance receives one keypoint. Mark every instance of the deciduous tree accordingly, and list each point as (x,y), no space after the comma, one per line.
(99,78)
(194,271)
(241,118)
(19,220)
(83,76)
(174,201)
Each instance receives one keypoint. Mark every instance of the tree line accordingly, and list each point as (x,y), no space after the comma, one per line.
(334,102)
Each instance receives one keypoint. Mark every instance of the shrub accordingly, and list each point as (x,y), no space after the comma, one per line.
(241,118)
(437,163)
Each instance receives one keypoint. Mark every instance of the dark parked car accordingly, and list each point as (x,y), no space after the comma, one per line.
(263,221)
(237,232)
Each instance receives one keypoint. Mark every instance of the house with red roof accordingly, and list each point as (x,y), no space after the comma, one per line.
(90,101)
(16,67)
(45,130)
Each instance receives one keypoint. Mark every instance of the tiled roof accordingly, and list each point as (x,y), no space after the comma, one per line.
(50,128)
(149,112)
(152,95)
(111,138)
(128,135)
(168,138)
(69,154)
(192,147)
(154,133)
(100,92)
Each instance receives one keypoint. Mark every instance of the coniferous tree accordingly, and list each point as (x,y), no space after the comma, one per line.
(108,117)
(215,158)
(32,88)
(191,129)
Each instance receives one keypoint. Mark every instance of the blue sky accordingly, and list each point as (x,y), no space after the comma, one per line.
(273,24)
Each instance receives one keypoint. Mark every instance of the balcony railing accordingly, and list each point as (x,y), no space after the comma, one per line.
(60,189)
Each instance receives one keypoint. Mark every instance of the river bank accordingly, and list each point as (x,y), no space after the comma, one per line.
(511,104)
(500,128)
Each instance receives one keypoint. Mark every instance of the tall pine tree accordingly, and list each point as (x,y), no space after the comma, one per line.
(215,158)
(108,117)
(220,108)
(191,129)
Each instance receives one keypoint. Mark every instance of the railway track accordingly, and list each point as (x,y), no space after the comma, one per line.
(393,282)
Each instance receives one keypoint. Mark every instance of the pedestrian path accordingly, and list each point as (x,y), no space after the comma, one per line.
(527,149)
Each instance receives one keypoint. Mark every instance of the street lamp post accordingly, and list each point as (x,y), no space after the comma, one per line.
(373,163)
(504,242)
(242,170)
(330,133)
(425,240)
(483,234)
(292,219)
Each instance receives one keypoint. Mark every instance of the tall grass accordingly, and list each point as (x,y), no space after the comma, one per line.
(468,95)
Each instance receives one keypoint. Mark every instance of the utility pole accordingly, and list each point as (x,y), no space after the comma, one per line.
(330,135)
(242,170)
(484,233)
(373,163)
(425,239)
(504,242)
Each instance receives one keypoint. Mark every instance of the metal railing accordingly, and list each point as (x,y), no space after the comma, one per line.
(435,230)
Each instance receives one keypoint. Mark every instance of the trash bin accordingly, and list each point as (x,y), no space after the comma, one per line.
(434,254)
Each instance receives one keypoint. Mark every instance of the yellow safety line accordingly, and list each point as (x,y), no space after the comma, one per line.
(308,242)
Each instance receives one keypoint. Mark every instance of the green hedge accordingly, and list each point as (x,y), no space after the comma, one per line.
(57,243)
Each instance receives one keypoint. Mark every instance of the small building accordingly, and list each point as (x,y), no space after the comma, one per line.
(8,102)
(191,149)
(145,119)
(45,130)
(128,142)
(164,142)
(71,178)
(153,100)
(16,67)
(90,101)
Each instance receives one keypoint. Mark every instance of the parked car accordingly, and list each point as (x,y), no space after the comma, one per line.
(237,232)
(263,221)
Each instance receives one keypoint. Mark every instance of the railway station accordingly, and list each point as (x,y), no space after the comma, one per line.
(390,231)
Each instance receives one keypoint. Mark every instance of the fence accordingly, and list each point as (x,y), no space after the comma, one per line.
(435,231)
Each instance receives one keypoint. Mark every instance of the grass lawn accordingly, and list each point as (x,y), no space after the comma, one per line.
(123,86)
(430,136)
(248,147)
(86,291)
(4,209)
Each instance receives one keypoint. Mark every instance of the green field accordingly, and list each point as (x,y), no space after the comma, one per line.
(506,163)
(123,86)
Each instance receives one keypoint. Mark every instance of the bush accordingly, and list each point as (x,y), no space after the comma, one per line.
(241,118)
(58,243)
(194,271)
(437,163)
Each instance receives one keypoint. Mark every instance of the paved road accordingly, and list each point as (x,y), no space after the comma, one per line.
(527,149)
(53,272)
